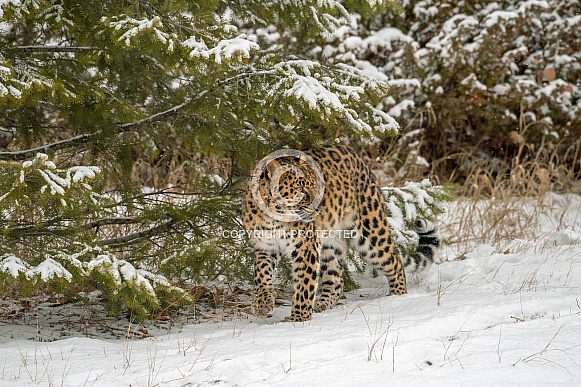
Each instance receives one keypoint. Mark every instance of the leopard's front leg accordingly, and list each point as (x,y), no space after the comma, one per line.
(305,257)
(263,300)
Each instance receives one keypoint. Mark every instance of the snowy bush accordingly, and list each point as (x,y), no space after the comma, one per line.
(48,239)
(484,69)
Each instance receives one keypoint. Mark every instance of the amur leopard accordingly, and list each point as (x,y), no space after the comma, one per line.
(279,216)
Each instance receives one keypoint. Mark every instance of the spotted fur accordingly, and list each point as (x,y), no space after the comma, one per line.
(352,201)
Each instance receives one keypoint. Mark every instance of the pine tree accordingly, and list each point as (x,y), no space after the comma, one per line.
(182,97)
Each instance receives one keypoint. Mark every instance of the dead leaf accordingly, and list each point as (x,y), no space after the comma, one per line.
(549,74)
(199,291)
(218,296)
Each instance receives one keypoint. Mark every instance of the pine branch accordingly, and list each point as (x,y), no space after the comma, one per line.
(45,229)
(158,116)
(53,49)
(83,138)
(54,226)
(51,229)
(111,221)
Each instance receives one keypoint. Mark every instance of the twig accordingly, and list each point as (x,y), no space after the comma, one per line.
(498,346)
(538,354)
(23,154)
(393,353)
(137,236)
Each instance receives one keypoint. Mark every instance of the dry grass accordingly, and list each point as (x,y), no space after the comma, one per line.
(498,200)
(501,201)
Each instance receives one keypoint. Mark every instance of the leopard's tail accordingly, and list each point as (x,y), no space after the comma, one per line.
(428,247)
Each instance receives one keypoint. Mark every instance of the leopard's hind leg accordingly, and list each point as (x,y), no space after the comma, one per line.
(375,244)
(331,271)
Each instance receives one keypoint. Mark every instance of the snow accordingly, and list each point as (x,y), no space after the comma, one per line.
(134,27)
(238,47)
(106,265)
(405,104)
(493,19)
(507,314)
(377,42)
(12,265)
(48,269)
(313,93)
(57,184)
(473,82)
(130,273)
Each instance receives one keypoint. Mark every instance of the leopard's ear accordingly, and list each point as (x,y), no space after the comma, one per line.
(272,166)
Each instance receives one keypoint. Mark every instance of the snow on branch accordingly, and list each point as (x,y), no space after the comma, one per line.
(57,181)
(376,42)
(49,269)
(382,122)
(329,92)
(239,47)
(410,202)
(70,250)
(119,271)
(21,7)
(223,50)
(19,76)
(5,88)
(314,93)
(54,178)
(133,27)
(11,264)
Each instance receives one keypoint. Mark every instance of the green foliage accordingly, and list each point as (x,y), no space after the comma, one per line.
(349,283)
(413,201)
(48,240)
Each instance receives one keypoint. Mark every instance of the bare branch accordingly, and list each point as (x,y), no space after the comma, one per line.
(52,49)
(138,236)
(156,117)
(28,153)
(112,221)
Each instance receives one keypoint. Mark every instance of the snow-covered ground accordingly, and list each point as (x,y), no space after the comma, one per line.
(508,314)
